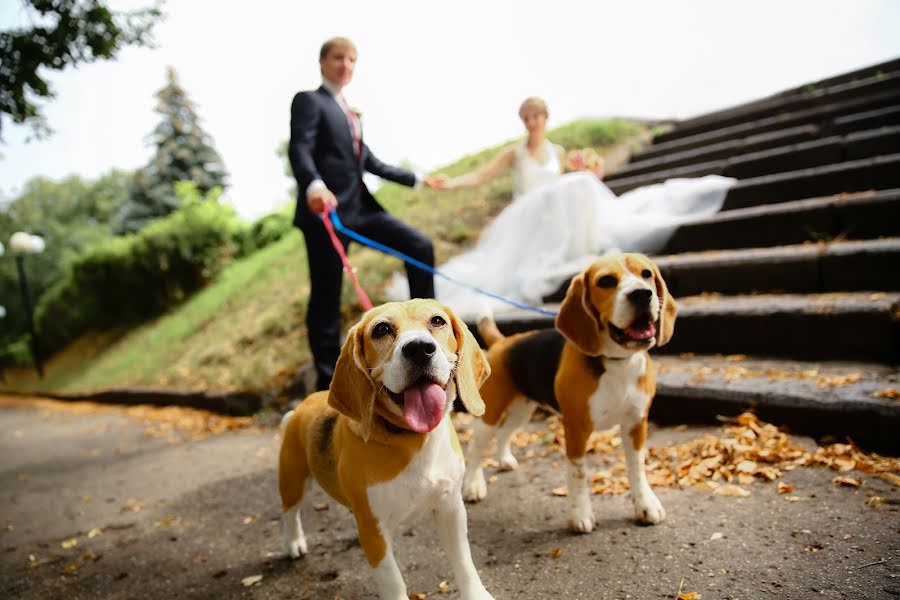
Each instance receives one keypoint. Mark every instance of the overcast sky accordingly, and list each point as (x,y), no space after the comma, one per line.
(435,80)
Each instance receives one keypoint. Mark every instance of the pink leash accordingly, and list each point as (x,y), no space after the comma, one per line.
(348,268)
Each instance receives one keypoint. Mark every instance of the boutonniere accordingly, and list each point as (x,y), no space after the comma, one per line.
(357,112)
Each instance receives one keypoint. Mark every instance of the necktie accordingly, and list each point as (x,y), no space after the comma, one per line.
(355,128)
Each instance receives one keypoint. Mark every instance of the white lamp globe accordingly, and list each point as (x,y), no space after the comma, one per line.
(25,243)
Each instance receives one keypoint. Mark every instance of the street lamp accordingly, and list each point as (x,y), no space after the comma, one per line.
(22,244)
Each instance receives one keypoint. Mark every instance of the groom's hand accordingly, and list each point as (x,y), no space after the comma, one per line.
(318,199)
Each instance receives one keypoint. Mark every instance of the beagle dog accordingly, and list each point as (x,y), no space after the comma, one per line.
(380,440)
(593,368)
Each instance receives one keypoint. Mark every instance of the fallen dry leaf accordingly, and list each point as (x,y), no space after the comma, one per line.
(892,393)
(133,506)
(688,595)
(72,568)
(94,532)
(556,552)
(875,501)
(844,481)
(891,477)
(253,579)
(71,543)
(560,491)
(416,596)
(444,587)
(716,536)
(785,488)
(732,490)
(838,380)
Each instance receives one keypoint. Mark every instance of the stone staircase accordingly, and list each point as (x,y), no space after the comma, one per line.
(800,270)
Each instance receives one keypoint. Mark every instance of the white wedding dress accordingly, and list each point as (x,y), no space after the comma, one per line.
(558,224)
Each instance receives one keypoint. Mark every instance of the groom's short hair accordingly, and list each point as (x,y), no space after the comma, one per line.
(336,42)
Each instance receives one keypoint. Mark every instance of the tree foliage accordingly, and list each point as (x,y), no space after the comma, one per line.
(184,152)
(63,33)
(71,214)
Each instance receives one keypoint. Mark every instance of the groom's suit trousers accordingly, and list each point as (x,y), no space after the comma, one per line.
(326,276)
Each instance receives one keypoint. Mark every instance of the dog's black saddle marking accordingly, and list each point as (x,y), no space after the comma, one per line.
(533,362)
(326,429)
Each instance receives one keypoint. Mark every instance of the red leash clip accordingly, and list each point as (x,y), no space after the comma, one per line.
(348,268)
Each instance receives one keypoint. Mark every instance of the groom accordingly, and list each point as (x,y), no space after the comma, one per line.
(328,158)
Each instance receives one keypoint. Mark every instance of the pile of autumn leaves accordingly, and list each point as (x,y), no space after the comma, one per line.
(746,451)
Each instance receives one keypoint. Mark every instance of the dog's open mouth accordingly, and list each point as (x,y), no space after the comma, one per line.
(423,404)
(640,332)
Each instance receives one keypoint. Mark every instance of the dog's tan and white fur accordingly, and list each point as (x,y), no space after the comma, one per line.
(360,443)
(614,311)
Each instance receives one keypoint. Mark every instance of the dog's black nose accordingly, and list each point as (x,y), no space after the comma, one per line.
(640,297)
(419,352)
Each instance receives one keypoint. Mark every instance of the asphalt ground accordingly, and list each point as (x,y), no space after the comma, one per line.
(107,503)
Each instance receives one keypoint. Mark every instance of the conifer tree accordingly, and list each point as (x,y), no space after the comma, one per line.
(184,152)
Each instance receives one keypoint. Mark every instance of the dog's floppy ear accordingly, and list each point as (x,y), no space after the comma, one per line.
(577,319)
(665,325)
(352,391)
(472,367)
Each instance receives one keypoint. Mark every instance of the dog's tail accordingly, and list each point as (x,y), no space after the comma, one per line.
(487,328)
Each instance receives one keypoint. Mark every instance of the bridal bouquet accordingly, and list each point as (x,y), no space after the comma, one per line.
(585,159)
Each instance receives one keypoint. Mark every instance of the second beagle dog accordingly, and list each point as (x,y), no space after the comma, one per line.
(380,441)
(593,369)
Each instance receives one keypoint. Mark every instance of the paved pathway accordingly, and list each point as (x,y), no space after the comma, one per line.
(154,516)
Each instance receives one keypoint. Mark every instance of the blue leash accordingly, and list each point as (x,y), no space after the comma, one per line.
(417,263)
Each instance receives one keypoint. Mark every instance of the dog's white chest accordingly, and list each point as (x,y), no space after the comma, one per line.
(618,400)
(429,479)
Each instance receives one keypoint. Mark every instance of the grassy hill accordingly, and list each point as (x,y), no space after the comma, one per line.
(246,330)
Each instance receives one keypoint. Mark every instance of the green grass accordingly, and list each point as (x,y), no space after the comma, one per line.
(246,330)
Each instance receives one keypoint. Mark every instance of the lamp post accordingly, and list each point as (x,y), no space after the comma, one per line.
(22,244)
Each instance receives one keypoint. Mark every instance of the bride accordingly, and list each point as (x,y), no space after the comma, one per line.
(558,224)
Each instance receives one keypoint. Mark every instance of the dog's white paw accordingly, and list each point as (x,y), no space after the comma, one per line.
(582,524)
(508,462)
(648,509)
(475,487)
(296,547)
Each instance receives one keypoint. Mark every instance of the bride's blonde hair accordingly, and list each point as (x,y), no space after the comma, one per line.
(534,103)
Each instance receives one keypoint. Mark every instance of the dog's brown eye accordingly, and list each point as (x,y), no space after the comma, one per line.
(381,330)
(607,281)
(646,274)
(438,321)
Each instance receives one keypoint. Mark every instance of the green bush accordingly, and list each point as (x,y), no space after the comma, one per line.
(265,231)
(128,279)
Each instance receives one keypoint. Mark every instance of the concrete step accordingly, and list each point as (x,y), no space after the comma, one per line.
(797,269)
(851,325)
(814,398)
(851,216)
(845,325)
(792,157)
(823,116)
(806,98)
(727,149)
(878,173)
(879,117)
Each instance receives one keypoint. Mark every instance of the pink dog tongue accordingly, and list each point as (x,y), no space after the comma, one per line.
(641,333)
(423,406)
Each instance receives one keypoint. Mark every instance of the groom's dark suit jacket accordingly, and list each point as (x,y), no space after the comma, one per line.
(321,147)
